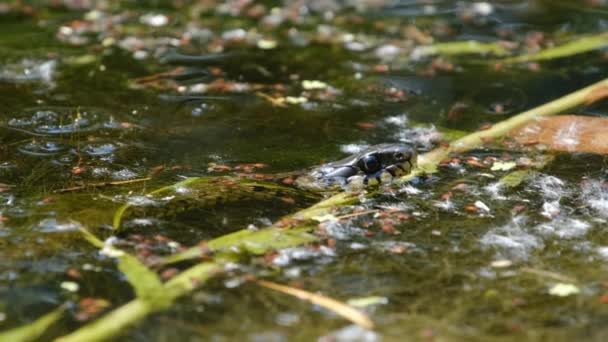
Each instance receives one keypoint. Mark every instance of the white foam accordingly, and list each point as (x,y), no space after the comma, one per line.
(564,228)
(288,255)
(595,195)
(603,252)
(551,187)
(512,240)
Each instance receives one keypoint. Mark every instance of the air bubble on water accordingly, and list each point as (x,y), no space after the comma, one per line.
(41,148)
(29,70)
(196,112)
(59,120)
(51,225)
(99,150)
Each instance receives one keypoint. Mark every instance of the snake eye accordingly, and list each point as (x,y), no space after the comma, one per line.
(370,164)
(398,156)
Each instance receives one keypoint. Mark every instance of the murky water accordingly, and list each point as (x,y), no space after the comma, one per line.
(167,90)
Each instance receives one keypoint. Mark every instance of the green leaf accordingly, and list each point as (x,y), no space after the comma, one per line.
(515,178)
(33,331)
(144,281)
(250,241)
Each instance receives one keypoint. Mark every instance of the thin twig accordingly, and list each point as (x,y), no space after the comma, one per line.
(548,274)
(102,184)
(361,213)
(160,76)
(333,305)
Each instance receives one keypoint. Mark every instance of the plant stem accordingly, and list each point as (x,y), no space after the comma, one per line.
(117,320)
(428,162)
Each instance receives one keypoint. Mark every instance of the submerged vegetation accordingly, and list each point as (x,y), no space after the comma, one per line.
(151,151)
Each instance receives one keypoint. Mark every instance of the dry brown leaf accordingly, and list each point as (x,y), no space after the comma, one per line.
(566,133)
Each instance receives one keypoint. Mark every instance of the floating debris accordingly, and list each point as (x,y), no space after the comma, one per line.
(503,166)
(70,286)
(313,85)
(502,263)
(564,290)
(267,44)
(154,20)
(367,301)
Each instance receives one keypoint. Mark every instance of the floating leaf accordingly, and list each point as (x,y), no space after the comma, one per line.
(502,263)
(459,48)
(70,286)
(33,331)
(503,166)
(267,44)
(367,301)
(313,85)
(566,133)
(564,290)
(515,178)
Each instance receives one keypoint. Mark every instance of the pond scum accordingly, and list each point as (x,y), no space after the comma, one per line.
(527,205)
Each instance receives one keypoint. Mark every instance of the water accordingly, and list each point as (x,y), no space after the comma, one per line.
(97,95)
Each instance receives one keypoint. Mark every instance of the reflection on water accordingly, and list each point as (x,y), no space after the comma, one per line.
(170,90)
